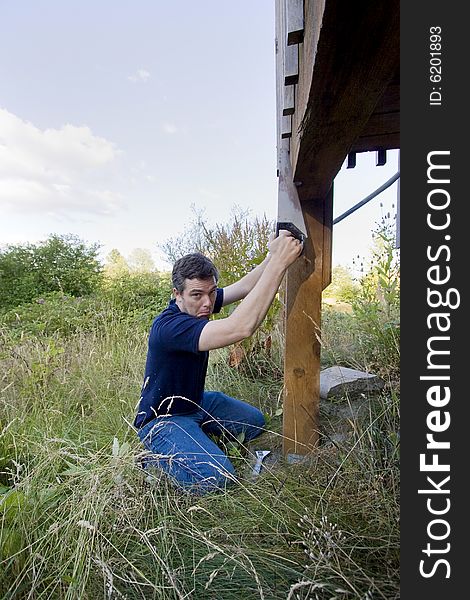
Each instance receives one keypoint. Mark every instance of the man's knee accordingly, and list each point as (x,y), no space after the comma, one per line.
(256,424)
(217,475)
(199,474)
(259,420)
(214,473)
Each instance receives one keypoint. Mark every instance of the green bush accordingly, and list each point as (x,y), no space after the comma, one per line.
(54,312)
(60,264)
(138,295)
(135,298)
(342,288)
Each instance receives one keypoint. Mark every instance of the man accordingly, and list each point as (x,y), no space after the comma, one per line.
(175,414)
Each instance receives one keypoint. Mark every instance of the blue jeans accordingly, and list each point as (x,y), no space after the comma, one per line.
(182,448)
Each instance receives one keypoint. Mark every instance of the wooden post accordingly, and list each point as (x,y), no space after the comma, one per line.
(305,281)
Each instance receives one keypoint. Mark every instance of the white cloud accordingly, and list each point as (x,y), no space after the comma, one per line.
(169,128)
(141,76)
(55,170)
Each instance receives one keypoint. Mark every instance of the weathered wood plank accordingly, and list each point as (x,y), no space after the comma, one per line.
(279,48)
(291,65)
(390,99)
(388,141)
(381,123)
(289,100)
(380,131)
(286,126)
(313,13)
(295,21)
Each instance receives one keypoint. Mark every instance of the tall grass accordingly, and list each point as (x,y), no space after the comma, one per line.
(81,519)
(366,332)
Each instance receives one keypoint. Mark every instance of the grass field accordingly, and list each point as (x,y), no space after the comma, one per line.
(79,518)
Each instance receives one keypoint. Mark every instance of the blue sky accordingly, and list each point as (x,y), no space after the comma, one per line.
(116,117)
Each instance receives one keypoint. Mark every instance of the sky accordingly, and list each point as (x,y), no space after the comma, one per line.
(119,119)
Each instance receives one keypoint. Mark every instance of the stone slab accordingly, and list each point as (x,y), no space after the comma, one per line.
(343,381)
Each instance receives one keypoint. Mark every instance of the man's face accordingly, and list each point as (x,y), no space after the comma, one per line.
(198,297)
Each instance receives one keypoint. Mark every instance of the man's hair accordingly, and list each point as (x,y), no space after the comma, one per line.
(192,266)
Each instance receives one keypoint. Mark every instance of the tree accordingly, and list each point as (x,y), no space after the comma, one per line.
(61,263)
(18,280)
(116,264)
(342,286)
(191,240)
(235,247)
(141,261)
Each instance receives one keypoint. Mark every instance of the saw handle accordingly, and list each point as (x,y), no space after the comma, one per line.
(295,231)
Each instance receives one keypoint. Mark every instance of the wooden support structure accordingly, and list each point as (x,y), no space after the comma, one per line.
(381,157)
(344,63)
(304,283)
(351,160)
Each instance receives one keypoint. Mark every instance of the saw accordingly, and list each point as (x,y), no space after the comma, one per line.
(289,211)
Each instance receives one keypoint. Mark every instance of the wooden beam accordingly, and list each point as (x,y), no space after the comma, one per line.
(351,53)
(351,160)
(382,130)
(305,281)
(381,157)
(387,141)
(381,124)
(390,100)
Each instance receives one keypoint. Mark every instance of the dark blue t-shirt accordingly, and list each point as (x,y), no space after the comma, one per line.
(175,370)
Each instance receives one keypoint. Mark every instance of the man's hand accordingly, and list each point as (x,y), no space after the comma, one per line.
(285,248)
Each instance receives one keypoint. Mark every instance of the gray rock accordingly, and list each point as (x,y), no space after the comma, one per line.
(350,410)
(341,381)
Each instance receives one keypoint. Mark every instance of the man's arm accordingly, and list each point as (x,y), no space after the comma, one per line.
(241,288)
(249,314)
